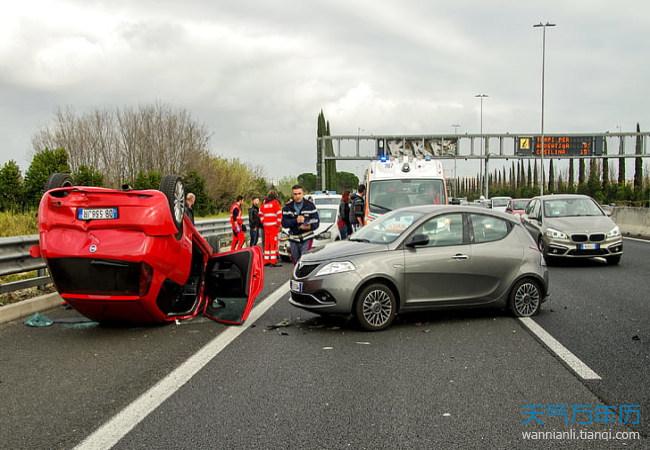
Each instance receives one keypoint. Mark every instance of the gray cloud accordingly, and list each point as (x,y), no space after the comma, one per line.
(257,73)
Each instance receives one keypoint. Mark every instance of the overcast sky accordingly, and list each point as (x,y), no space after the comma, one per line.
(257,73)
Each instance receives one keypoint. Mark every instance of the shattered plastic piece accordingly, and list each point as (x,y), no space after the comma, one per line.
(636,337)
(426,331)
(446,415)
(284,333)
(363,343)
(81,325)
(328,348)
(284,323)
(38,320)
(178,322)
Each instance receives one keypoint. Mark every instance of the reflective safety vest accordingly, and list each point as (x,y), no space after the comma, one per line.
(236,222)
(271,214)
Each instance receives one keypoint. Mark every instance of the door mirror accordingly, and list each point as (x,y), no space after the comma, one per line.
(232,282)
(418,240)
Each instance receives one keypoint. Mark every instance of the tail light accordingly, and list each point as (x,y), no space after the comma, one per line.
(146,275)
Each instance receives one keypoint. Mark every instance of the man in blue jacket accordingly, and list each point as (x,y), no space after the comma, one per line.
(300,216)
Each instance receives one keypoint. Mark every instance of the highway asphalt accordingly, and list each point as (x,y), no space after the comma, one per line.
(435,380)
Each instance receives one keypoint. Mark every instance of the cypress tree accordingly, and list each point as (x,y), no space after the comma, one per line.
(581,172)
(535,175)
(572,180)
(551,176)
(638,164)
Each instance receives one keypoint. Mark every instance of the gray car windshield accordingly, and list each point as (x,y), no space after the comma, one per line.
(387,195)
(387,228)
(571,207)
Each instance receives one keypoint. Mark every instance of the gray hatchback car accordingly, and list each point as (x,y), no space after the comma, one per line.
(421,258)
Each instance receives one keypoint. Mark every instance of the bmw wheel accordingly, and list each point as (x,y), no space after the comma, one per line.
(525,298)
(375,307)
(172,187)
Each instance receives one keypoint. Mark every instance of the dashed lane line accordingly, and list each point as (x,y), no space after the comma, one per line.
(571,360)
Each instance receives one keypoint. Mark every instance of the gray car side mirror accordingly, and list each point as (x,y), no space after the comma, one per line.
(417,240)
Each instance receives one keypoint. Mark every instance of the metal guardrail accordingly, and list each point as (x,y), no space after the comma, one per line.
(15,257)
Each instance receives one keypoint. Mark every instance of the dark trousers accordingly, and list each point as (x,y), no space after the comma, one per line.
(255,236)
(299,248)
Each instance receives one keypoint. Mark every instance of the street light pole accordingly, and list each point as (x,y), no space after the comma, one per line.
(543,26)
(455,127)
(482,96)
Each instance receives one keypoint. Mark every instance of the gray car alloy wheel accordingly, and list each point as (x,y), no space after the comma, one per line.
(526,299)
(375,306)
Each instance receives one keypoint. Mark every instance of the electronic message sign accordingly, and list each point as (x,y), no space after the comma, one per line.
(559,146)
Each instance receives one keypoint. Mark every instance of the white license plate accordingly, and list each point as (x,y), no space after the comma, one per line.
(96,213)
(589,246)
(296,286)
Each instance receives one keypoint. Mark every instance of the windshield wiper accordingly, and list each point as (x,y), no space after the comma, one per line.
(375,205)
(359,240)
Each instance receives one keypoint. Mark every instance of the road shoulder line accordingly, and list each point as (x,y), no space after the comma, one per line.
(110,433)
(571,360)
(637,239)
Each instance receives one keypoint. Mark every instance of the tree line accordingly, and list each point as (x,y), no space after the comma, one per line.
(596,178)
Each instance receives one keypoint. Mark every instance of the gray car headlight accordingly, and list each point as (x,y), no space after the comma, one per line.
(614,232)
(555,234)
(336,267)
(325,235)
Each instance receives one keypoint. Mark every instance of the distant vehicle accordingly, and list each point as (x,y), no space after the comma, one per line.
(500,203)
(421,258)
(325,198)
(134,256)
(326,232)
(517,206)
(573,226)
(393,183)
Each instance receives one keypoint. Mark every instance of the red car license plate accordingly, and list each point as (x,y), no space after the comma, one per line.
(97,213)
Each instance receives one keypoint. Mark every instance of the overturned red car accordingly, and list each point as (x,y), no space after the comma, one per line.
(134,256)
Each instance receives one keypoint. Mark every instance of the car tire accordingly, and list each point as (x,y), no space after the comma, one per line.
(58,180)
(613,260)
(525,298)
(375,307)
(285,258)
(173,188)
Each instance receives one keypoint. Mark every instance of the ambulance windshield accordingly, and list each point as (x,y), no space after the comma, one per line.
(387,195)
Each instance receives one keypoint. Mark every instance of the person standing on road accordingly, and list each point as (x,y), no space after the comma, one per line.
(271,217)
(254,222)
(189,204)
(343,223)
(237,225)
(300,216)
(358,208)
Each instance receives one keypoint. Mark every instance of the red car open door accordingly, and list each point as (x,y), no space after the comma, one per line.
(232,283)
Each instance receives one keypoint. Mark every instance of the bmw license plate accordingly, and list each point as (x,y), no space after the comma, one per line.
(296,286)
(96,213)
(588,246)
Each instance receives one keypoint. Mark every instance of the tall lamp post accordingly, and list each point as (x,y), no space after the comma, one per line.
(482,96)
(455,126)
(543,27)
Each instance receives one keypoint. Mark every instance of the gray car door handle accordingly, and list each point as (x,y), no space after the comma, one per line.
(459,257)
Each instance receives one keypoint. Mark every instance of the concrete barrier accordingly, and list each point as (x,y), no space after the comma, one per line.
(27,307)
(633,221)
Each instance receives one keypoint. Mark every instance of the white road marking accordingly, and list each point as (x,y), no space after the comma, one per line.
(580,368)
(123,422)
(636,239)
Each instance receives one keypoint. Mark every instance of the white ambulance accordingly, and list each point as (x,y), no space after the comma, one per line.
(393,183)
